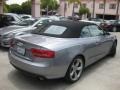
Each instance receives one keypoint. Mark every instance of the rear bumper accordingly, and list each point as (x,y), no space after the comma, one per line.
(40,69)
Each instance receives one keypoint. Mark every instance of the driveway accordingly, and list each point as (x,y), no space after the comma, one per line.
(103,75)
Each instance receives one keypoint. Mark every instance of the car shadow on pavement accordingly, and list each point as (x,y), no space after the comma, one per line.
(23,82)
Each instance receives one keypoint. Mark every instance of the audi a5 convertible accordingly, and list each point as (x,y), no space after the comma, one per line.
(61,49)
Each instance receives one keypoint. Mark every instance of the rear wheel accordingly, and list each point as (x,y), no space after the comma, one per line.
(113,50)
(75,70)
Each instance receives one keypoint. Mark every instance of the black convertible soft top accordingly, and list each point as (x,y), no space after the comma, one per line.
(74,25)
(73,28)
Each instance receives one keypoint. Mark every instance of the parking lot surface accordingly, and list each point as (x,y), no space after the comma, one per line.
(103,75)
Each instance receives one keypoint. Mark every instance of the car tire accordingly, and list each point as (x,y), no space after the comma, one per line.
(113,49)
(75,70)
(114,29)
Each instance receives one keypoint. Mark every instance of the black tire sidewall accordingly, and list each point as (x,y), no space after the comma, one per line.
(113,49)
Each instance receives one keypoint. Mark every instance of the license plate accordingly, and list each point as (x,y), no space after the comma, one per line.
(21,50)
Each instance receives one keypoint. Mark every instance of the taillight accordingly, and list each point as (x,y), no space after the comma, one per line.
(42,53)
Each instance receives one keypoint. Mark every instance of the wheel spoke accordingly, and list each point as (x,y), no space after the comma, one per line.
(71,74)
(79,68)
(77,64)
(73,66)
(76,75)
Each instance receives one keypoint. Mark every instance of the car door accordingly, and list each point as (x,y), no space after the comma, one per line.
(105,41)
(102,43)
(90,43)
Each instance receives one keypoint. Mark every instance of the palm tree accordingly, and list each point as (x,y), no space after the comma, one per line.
(65,7)
(117,11)
(73,2)
(93,8)
(49,4)
(83,10)
(104,10)
(54,5)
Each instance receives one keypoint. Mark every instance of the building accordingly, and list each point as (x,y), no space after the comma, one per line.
(35,8)
(111,8)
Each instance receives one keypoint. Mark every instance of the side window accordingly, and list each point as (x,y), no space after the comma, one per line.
(25,17)
(95,30)
(85,32)
(10,18)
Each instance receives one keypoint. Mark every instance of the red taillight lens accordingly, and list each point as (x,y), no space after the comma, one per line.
(43,53)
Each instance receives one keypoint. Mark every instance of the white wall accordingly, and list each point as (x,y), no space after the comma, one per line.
(36,8)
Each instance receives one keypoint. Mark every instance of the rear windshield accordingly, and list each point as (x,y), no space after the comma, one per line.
(56,31)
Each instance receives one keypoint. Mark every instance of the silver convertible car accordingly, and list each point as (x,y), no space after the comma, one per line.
(61,49)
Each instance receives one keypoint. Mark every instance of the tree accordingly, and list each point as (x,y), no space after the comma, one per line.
(5,8)
(83,10)
(65,7)
(49,5)
(15,8)
(93,8)
(104,10)
(53,5)
(73,1)
(117,11)
(26,7)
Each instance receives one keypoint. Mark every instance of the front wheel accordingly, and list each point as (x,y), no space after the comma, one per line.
(75,70)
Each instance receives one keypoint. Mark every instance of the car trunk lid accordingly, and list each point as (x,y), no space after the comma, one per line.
(34,40)
(23,44)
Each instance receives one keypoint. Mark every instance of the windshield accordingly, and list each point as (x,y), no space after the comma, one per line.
(26,22)
(19,18)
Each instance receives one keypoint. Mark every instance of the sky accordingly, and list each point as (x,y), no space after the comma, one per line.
(15,1)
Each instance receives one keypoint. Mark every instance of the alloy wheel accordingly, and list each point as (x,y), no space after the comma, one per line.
(76,69)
